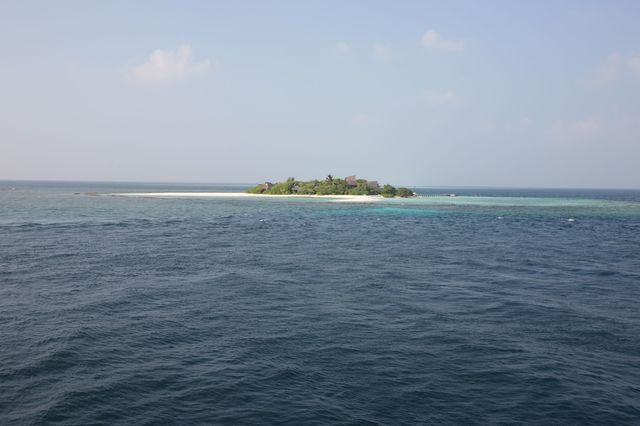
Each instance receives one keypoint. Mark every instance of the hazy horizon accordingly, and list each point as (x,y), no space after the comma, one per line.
(410,185)
(460,94)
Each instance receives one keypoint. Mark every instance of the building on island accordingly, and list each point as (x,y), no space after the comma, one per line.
(352,182)
(267,186)
(373,184)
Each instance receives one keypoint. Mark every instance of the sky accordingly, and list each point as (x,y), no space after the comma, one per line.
(429,93)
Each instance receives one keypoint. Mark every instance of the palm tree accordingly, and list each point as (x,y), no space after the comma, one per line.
(329,178)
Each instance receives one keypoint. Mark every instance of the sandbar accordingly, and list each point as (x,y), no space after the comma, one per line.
(333,198)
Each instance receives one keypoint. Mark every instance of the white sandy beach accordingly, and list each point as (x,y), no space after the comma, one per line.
(333,198)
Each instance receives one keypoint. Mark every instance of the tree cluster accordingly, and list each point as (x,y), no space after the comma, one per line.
(329,186)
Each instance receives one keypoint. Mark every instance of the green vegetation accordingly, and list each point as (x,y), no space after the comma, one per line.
(389,191)
(404,192)
(330,186)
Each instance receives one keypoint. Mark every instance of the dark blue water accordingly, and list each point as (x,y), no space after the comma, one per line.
(515,306)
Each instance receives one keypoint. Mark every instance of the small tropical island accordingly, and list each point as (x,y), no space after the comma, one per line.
(331,186)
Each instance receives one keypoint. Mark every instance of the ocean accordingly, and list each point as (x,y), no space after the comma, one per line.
(498,306)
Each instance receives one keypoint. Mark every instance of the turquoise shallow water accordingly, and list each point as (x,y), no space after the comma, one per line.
(518,201)
(496,306)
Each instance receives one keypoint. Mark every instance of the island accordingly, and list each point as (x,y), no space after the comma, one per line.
(331,186)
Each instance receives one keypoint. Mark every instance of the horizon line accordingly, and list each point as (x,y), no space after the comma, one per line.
(420,186)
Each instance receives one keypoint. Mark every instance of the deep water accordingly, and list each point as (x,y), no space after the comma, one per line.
(507,307)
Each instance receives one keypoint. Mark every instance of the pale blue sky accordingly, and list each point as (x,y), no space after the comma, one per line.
(501,93)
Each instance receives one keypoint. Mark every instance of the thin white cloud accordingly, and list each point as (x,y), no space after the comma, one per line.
(579,130)
(610,70)
(361,120)
(614,68)
(524,123)
(343,48)
(168,65)
(634,65)
(381,50)
(434,40)
(612,132)
(447,97)
(508,127)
